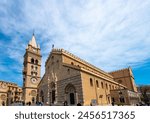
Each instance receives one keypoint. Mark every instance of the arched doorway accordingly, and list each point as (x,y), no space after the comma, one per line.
(70,94)
(33,99)
(53,95)
(72,99)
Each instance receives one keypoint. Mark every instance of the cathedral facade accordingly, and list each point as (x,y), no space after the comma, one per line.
(72,80)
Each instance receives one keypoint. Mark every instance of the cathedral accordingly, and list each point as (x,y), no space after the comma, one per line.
(69,80)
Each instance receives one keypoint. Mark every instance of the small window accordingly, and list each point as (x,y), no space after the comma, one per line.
(72,63)
(36,62)
(32,61)
(106,86)
(102,85)
(68,71)
(36,68)
(91,82)
(97,84)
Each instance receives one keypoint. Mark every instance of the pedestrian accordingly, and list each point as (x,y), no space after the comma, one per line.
(65,103)
(112,103)
(23,103)
(3,103)
(79,104)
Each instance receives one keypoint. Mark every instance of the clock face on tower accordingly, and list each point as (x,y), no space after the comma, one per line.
(34,80)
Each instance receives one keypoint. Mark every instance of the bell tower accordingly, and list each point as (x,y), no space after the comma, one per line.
(31,71)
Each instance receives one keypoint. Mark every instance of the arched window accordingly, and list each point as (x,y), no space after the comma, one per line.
(91,82)
(110,87)
(32,61)
(102,85)
(106,86)
(97,84)
(36,62)
(113,87)
(72,63)
(32,67)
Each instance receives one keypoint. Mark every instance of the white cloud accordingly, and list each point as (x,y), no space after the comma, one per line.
(110,34)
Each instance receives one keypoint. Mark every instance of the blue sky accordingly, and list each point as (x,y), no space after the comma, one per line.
(110,34)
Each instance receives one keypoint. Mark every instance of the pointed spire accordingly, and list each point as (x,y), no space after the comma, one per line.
(33,41)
